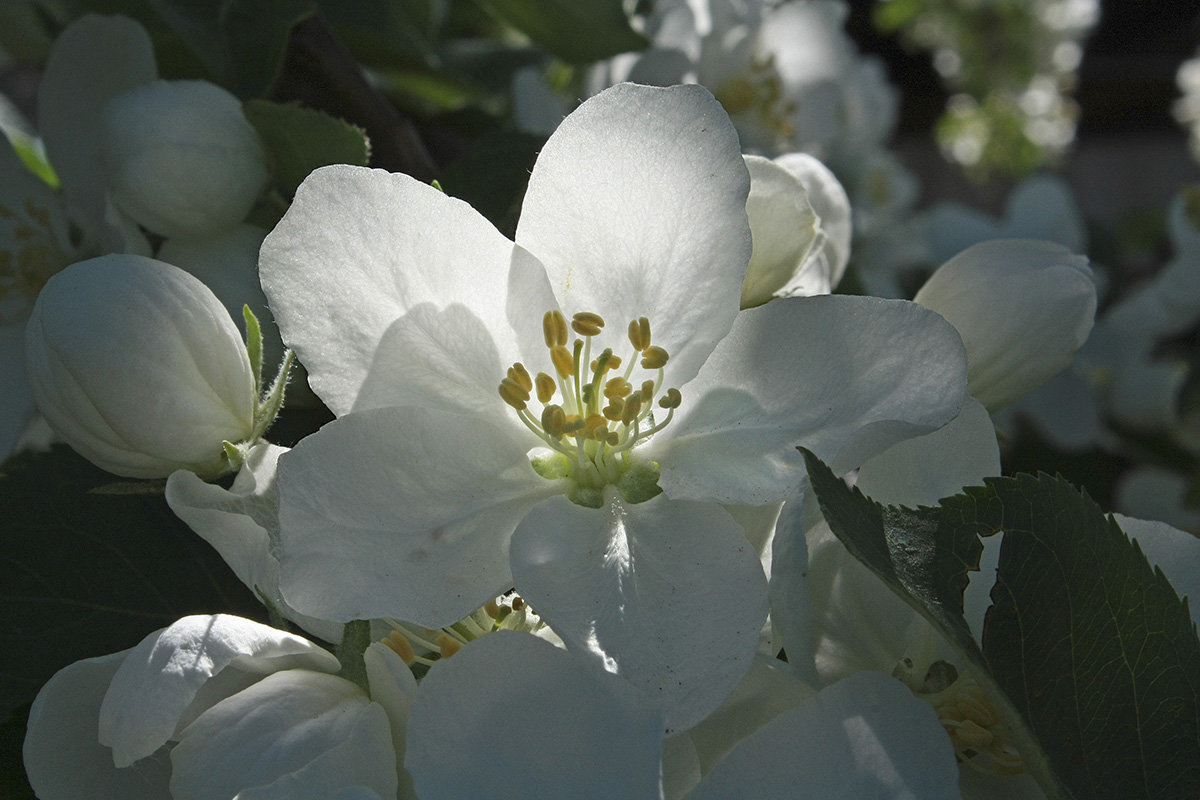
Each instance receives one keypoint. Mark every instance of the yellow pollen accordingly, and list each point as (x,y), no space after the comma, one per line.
(513,394)
(554,421)
(517,604)
(671,399)
(574,423)
(647,391)
(654,357)
(554,328)
(492,609)
(633,405)
(639,333)
(448,646)
(585,323)
(401,647)
(617,387)
(546,387)
(613,409)
(518,373)
(564,363)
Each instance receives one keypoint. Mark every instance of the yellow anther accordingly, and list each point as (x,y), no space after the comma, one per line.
(633,406)
(448,646)
(613,438)
(614,362)
(573,424)
(585,323)
(401,647)
(597,427)
(639,333)
(513,394)
(554,421)
(671,399)
(647,391)
(601,365)
(546,387)
(554,329)
(654,357)
(492,609)
(613,410)
(617,387)
(564,362)
(518,604)
(518,373)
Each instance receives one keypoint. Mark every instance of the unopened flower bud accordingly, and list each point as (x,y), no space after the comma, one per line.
(1022,306)
(180,157)
(139,367)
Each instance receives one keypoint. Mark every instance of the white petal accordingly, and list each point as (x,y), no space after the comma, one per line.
(923,470)
(405,513)
(64,759)
(784,229)
(294,735)
(547,725)
(392,685)
(844,376)
(1042,207)
(650,591)
(359,249)
(163,674)
(1152,492)
(864,738)
(1023,308)
(139,367)
(637,207)
(765,692)
(95,59)
(829,200)
(239,523)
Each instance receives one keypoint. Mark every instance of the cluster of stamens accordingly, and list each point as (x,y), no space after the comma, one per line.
(34,255)
(421,647)
(591,410)
(759,91)
(980,737)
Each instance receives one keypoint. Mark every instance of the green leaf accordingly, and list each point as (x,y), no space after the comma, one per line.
(87,574)
(1090,643)
(577,31)
(302,139)
(1089,656)
(241,43)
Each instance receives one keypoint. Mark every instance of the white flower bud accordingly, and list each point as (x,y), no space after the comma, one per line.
(139,367)
(180,157)
(1022,306)
(784,228)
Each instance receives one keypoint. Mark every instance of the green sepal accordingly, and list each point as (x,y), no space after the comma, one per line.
(254,346)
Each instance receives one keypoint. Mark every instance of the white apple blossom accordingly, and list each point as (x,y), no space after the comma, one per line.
(432,493)
(217,707)
(139,368)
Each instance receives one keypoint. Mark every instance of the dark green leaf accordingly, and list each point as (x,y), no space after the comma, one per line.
(257,32)
(13,783)
(1090,643)
(302,139)
(1089,655)
(88,574)
(577,31)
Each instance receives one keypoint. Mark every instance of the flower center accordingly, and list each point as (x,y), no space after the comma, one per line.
(35,253)
(758,92)
(420,648)
(980,738)
(593,412)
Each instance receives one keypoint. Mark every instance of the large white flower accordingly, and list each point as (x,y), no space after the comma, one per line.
(432,493)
